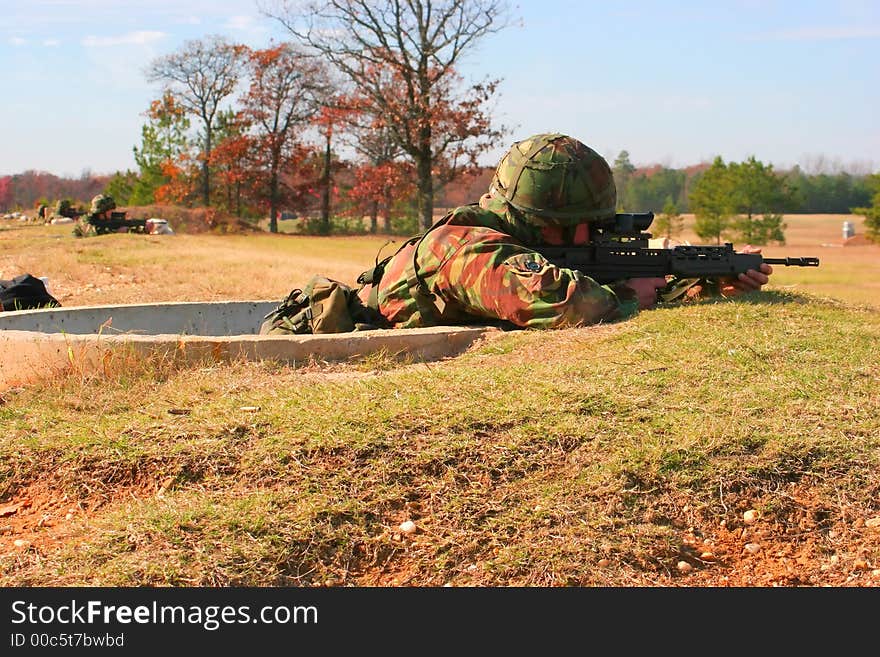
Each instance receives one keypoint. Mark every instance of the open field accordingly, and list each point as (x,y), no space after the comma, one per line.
(723,443)
(115,269)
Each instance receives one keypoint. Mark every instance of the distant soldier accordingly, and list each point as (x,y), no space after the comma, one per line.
(63,209)
(100,209)
(102,206)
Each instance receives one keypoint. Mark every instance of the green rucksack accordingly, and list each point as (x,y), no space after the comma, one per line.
(322,306)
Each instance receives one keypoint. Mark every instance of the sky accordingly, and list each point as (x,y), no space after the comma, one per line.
(672,83)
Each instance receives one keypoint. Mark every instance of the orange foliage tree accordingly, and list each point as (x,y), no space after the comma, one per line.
(233,162)
(284,95)
(376,188)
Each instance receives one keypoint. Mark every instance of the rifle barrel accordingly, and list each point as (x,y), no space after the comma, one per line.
(793,262)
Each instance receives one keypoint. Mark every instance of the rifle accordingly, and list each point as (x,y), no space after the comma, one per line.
(619,250)
(116,221)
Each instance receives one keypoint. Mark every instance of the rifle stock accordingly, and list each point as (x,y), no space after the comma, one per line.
(619,250)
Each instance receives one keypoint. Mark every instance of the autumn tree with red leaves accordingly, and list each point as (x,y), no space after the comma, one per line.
(233,161)
(416,44)
(332,114)
(382,173)
(376,188)
(285,94)
(182,175)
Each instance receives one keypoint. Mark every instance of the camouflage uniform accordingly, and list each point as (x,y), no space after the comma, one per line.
(475,265)
(100,204)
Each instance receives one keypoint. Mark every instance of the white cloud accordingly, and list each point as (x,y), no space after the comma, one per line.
(240,22)
(51,43)
(132,38)
(818,34)
(245,24)
(17,41)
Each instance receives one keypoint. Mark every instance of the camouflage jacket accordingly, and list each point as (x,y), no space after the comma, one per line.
(473,267)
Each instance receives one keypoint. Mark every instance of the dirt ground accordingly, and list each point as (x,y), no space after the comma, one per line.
(753,551)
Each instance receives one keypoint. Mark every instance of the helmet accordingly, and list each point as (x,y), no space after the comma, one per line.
(102,203)
(62,207)
(555,179)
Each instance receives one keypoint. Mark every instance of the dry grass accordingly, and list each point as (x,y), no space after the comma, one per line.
(130,268)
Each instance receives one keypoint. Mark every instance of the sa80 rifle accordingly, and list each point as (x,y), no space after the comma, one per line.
(619,250)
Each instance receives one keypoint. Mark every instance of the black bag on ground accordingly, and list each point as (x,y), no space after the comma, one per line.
(25,292)
(322,306)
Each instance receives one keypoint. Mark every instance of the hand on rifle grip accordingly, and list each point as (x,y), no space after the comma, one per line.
(646,290)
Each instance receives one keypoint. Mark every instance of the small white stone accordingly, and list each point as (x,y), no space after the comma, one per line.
(873,522)
(750,516)
(407,527)
(752,548)
(684,567)
(20,543)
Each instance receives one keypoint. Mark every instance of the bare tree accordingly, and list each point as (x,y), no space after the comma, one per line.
(418,42)
(200,76)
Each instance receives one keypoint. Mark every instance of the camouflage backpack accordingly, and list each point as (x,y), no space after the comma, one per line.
(322,306)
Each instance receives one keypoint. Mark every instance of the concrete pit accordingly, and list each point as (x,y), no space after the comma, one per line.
(36,344)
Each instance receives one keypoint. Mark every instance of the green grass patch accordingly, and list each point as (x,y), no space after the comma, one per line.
(576,457)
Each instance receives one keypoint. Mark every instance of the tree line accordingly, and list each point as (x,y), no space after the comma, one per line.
(741,200)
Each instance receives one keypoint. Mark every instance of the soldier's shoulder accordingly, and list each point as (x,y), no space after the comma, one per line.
(472,215)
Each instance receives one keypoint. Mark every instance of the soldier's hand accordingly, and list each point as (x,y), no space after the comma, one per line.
(646,290)
(748,282)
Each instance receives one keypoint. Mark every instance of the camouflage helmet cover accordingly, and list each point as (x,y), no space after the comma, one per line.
(102,203)
(555,179)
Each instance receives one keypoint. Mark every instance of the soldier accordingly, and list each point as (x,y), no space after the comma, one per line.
(99,210)
(475,265)
(102,206)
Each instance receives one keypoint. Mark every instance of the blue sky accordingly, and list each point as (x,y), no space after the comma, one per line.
(674,83)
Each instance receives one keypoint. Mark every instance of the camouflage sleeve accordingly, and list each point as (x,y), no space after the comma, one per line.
(685,290)
(513,283)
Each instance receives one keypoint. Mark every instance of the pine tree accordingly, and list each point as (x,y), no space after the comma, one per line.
(712,201)
(670,223)
(872,214)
